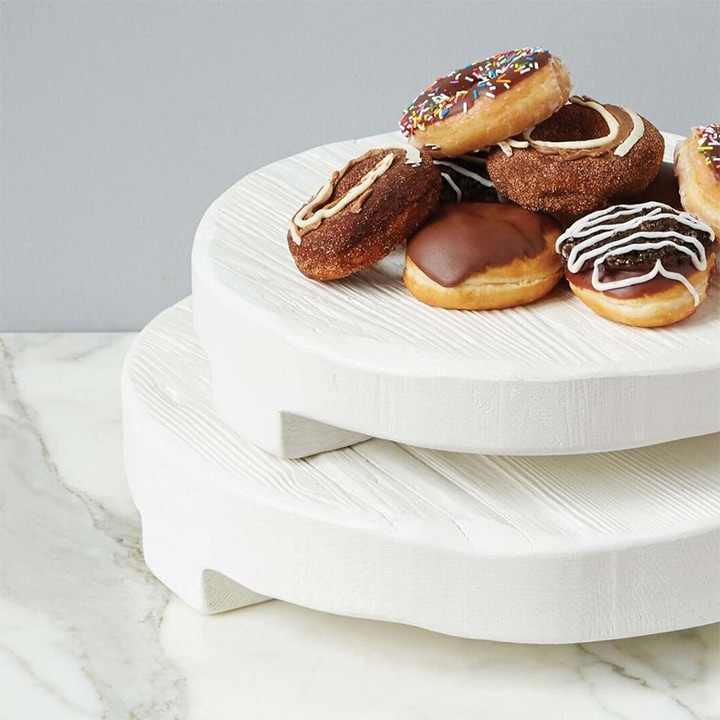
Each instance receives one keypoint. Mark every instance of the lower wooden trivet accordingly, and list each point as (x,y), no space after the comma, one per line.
(550,549)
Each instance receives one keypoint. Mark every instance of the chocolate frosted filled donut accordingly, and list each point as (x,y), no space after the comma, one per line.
(646,265)
(585,157)
(482,256)
(486,102)
(363,212)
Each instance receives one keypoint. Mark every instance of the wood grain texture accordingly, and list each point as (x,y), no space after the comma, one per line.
(526,549)
(364,356)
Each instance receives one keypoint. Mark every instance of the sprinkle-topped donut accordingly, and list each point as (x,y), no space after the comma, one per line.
(487,101)
(458,91)
(697,167)
(708,142)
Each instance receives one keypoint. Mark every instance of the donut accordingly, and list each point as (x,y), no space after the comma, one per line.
(485,102)
(363,212)
(664,188)
(585,157)
(697,166)
(482,256)
(465,179)
(646,265)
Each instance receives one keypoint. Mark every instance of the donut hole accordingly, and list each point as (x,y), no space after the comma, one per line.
(570,124)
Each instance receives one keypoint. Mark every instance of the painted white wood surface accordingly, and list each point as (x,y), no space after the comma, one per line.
(544,549)
(301,367)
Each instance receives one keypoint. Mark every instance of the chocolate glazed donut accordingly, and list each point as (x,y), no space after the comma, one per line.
(363,212)
(585,157)
(486,102)
(646,265)
(482,256)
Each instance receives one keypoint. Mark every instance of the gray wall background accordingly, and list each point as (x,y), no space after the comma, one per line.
(120,122)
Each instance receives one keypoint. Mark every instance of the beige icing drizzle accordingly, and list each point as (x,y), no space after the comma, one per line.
(412,154)
(637,132)
(621,150)
(312,213)
(612,123)
(507,145)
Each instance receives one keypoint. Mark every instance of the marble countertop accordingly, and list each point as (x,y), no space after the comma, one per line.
(86,632)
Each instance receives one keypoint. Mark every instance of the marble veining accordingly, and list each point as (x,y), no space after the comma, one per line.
(393,671)
(86,633)
(82,610)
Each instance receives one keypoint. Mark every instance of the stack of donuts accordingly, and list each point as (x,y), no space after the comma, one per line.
(507,183)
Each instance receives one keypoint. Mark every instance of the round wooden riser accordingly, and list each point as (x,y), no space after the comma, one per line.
(301,367)
(549,549)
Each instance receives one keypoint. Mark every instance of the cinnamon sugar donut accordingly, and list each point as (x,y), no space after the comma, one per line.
(585,157)
(482,256)
(646,265)
(697,166)
(363,212)
(486,102)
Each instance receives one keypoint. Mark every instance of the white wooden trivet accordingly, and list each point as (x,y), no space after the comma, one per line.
(302,367)
(548,549)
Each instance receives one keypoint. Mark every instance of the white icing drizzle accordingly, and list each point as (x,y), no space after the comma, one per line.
(464,171)
(453,185)
(302,219)
(473,159)
(597,227)
(621,150)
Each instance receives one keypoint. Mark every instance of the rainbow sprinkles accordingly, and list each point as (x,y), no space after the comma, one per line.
(708,139)
(458,92)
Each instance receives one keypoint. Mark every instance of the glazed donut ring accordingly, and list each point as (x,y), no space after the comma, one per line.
(363,212)
(486,102)
(482,256)
(697,166)
(646,265)
(585,157)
